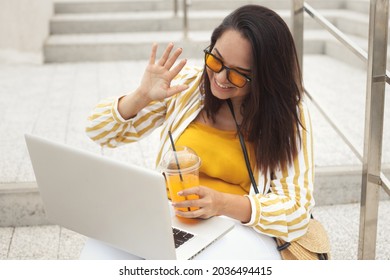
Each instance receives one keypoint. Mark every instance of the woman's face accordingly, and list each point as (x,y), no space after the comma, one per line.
(235,52)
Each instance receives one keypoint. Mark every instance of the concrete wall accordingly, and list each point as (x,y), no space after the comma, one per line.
(24,26)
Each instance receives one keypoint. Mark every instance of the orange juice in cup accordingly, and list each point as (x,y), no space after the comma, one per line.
(181,169)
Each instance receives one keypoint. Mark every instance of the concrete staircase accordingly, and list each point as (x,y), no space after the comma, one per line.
(89,30)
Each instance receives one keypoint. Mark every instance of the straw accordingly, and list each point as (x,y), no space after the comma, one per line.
(174,149)
(177,160)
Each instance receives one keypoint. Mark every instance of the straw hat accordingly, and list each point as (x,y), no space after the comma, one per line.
(314,242)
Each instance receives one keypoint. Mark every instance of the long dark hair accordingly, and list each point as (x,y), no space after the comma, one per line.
(270,113)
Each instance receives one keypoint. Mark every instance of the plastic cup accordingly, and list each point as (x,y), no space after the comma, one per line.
(181,169)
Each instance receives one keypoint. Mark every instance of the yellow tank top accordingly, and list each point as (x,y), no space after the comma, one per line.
(223,165)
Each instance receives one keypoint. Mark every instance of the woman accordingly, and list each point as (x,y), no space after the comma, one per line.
(252,61)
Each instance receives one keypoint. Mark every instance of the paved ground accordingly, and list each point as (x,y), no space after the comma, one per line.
(54,100)
(54,242)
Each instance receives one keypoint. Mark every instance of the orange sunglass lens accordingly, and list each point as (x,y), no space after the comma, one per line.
(212,63)
(236,79)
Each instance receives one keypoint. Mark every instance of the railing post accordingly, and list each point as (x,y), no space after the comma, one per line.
(375,100)
(297,17)
(185,19)
(175,7)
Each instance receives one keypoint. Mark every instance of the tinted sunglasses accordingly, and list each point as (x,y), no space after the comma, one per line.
(216,65)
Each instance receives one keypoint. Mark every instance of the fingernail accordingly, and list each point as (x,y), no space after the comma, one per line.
(180,193)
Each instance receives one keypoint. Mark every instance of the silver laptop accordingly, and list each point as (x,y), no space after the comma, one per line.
(120,204)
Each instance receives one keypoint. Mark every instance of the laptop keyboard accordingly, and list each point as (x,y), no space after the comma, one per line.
(181,236)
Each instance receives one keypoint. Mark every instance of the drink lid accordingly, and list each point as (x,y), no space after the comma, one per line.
(184,159)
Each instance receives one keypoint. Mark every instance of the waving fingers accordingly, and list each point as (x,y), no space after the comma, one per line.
(165,55)
(152,58)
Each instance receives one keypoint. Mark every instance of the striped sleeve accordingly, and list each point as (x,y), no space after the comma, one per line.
(284,212)
(107,127)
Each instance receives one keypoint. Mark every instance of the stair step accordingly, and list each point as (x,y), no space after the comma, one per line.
(137,45)
(348,21)
(275,4)
(120,46)
(99,6)
(362,6)
(103,6)
(132,22)
(166,21)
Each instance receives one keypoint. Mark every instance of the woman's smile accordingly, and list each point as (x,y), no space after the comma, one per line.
(221,85)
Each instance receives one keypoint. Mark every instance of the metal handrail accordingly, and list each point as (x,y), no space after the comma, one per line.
(175,7)
(336,32)
(186,4)
(352,46)
(332,123)
(377,77)
(355,49)
(359,52)
(385,183)
(340,36)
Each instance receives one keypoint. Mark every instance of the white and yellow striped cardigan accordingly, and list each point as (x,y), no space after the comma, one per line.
(284,211)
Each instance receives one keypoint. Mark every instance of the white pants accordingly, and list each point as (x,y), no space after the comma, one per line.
(240,243)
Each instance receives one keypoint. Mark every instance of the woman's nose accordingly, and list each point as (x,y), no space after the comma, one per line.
(221,77)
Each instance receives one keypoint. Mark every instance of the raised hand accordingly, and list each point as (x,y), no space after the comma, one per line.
(156,81)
